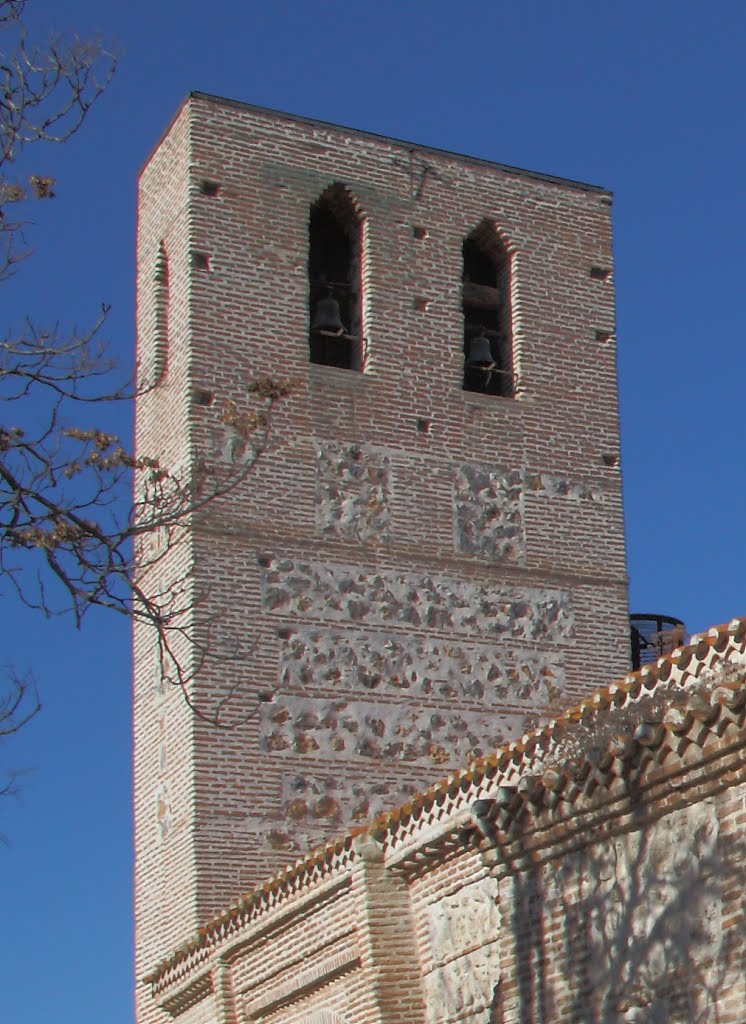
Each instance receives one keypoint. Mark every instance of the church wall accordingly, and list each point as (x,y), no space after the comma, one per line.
(592,871)
(638,928)
(645,926)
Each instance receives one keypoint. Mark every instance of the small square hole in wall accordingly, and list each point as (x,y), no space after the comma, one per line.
(201,396)
(421,304)
(419,232)
(600,273)
(200,261)
(423,424)
(211,189)
(604,336)
(610,459)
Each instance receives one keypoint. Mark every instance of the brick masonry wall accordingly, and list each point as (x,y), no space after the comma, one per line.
(165,877)
(457,922)
(406,597)
(344,953)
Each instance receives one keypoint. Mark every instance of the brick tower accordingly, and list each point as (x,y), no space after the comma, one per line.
(431,553)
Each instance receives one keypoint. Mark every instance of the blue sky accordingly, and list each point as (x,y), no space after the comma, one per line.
(646,98)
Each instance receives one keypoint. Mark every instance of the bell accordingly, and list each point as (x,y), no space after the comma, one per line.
(480,353)
(327,317)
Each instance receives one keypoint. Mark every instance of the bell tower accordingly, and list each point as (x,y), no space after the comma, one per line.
(430,552)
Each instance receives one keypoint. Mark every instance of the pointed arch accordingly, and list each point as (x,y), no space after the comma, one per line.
(487,312)
(335,235)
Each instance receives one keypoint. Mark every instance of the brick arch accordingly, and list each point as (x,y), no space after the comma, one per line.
(491,235)
(162,295)
(340,198)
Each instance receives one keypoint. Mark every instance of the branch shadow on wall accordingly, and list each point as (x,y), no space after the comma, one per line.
(626,929)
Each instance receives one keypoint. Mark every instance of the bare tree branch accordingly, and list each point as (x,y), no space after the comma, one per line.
(69,530)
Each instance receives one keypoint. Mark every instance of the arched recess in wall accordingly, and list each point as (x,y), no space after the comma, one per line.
(487,312)
(335,284)
(160,316)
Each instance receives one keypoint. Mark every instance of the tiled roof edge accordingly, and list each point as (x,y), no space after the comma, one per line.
(634,684)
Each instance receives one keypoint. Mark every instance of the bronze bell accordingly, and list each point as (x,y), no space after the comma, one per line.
(480,352)
(327,316)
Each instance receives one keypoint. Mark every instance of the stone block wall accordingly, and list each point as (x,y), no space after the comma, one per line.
(457,920)
(627,930)
(413,573)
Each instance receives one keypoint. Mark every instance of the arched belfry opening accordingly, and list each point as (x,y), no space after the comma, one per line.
(335,281)
(488,335)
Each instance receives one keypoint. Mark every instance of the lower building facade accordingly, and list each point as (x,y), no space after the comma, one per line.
(593,871)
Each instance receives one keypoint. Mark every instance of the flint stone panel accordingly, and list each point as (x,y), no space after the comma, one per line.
(488,507)
(561,487)
(353,492)
(421,666)
(314,800)
(362,730)
(411,600)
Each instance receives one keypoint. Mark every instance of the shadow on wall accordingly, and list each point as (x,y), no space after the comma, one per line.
(628,930)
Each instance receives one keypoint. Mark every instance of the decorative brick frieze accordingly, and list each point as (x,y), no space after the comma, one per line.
(301,983)
(184,997)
